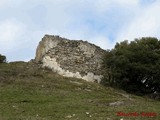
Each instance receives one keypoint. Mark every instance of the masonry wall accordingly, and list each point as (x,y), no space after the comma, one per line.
(71,58)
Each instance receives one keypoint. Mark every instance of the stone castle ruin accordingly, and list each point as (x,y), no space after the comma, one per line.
(71,58)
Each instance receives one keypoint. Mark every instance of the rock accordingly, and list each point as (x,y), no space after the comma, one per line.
(71,58)
(118,103)
(87,113)
(75,82)
(69,116)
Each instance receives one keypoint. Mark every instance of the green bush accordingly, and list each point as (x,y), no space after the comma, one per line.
(2,58)
(134,66)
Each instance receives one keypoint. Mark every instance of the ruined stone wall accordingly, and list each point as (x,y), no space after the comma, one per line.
(71,58)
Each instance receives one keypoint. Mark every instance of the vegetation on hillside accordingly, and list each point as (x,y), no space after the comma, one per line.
(30,92)
(135,66)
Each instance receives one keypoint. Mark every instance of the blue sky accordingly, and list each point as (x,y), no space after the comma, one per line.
(23,23)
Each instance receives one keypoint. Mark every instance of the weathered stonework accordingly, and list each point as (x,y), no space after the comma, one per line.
(71,58)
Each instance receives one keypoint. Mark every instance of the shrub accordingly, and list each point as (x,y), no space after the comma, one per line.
(135,66)
(2,58)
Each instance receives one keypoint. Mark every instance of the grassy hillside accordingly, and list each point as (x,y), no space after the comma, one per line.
(30,93)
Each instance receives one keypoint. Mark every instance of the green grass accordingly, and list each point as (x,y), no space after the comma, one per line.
(28,92)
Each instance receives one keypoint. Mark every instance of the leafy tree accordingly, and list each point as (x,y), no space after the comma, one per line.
(2,58)
(134,66)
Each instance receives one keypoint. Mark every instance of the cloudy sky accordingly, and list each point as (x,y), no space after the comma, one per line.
(103,22)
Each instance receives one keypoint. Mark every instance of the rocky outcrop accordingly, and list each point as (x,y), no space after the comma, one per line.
(71,58)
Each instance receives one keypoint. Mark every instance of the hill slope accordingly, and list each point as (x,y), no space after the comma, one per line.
(30,93)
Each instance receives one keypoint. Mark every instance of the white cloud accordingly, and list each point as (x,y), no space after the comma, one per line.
(145,23)
(127,2)
(5,4)
(11,38)
(101,41)
(10,31)
(105,5)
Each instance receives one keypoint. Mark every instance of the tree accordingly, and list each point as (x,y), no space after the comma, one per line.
(135,66)
(2,58)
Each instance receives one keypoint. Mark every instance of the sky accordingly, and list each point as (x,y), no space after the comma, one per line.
(23,23)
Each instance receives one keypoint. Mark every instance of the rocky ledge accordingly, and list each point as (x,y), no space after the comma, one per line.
(71,58)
